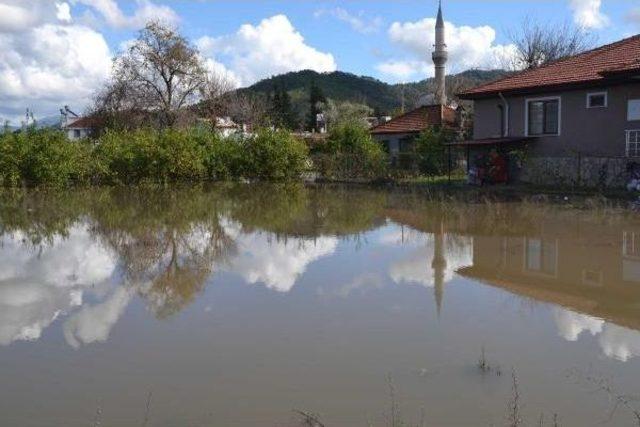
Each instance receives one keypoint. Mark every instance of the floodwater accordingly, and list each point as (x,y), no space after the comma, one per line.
(238,305)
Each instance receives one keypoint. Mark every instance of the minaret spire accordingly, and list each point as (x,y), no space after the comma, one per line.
(440,57)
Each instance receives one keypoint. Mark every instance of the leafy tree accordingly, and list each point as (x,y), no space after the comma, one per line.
(351,152)
(316,99)
(160,73)
(340,113)
(282,112)
(431,150)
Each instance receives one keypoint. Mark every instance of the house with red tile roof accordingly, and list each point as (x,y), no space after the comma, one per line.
(579,116)
(397,135)
(80,127)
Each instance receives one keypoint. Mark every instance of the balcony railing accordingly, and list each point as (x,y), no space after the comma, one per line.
(633,143)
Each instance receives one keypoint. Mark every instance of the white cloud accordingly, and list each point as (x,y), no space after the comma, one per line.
(571,325)
(588,14)
(359,21)
(145,11)
(416,268)
(620,343)
(276,263)
(259,51)
(38,286)
(20,15)
(469,47)
(616,342)
(63,12)
(94,323)
(216,68)
(51,65)
(402,70)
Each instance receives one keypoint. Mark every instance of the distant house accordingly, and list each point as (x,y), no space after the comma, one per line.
(578,117)
(80,127)
(226,127)
(398,134)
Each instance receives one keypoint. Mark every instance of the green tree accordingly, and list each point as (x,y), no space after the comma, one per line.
(316,99)
(341,113)
(431,150)
(161,73)
(282,113)
(351,152)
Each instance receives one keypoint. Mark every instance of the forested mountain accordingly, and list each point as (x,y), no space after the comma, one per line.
(384,98)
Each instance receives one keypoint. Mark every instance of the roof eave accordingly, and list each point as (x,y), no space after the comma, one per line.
(394,132)
(541,88)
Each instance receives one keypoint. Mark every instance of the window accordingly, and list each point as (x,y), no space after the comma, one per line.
(630,244)
(76,133)
(597,100)
(543,116)
(633,110)
(541,256)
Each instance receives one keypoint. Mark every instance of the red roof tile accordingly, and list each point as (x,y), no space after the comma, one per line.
(588,68)
(84,123)
(417,120)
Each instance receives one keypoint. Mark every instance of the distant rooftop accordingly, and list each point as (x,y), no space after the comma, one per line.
(417,120)
(592,68)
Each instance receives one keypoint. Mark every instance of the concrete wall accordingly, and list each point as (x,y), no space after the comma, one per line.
(392,141)
(78,133)
(588,131)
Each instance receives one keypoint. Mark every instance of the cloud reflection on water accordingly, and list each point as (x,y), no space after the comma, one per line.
(616,342)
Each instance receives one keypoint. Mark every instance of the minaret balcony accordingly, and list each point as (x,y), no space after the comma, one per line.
(441,56)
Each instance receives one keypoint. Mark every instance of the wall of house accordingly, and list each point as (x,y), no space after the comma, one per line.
(78,133)
(591,132)
(395,143)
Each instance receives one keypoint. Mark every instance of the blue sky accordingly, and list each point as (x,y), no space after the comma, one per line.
(249,40)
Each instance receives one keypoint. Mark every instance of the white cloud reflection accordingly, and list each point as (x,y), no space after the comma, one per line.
(277,263)
(616,342)
(417,267)
(93,323)
(38,285)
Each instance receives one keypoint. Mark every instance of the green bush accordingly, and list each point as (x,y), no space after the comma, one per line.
(47,157)
(431,150)
(222,157)
(11,157)
(351,152)
(43,157)
(273,156)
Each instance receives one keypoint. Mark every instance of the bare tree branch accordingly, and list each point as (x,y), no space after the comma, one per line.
(538,44)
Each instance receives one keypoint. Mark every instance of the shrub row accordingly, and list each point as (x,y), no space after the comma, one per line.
(351,153)
(47,157)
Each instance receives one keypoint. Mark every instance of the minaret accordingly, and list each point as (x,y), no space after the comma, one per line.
(439,266)
(440,57)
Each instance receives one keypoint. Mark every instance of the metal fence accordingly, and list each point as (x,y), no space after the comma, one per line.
(401,165)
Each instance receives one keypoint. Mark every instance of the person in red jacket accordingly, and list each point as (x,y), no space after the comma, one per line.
(497,168)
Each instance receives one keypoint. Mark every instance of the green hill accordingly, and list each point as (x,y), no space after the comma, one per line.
(381,96)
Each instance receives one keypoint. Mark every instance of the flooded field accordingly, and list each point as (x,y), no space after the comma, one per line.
(246,305)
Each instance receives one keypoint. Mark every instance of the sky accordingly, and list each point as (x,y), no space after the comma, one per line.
(58,52)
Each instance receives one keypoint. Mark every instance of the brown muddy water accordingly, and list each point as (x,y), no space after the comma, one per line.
(238,305)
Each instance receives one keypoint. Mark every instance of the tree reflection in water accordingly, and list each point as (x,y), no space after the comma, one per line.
(167,242)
